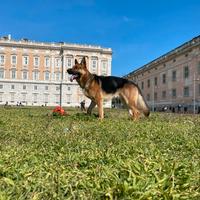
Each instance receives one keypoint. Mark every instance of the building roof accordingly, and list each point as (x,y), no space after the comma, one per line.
(7,41)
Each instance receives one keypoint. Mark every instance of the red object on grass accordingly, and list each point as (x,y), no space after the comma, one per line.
(59,110)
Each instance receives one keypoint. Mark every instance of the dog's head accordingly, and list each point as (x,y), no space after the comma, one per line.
(78,70)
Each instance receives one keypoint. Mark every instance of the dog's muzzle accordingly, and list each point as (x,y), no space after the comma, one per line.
(70,71)
(74,74)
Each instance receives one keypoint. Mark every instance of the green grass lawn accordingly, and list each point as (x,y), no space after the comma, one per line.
(80,157)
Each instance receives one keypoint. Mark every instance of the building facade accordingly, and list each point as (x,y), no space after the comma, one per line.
(172,81)
(35,73)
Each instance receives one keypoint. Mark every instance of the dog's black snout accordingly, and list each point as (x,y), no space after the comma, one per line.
(69,71)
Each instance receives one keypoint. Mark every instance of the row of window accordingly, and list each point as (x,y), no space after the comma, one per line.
(47,62)
(36,61)
(164,77)
(35,87)
(35,99)
(36,75)
(186,93)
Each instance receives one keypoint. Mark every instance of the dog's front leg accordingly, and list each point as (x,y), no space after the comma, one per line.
(91,106)
(100,108)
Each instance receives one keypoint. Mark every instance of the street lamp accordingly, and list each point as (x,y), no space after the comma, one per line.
(153,95)
(194,94)
(62,66)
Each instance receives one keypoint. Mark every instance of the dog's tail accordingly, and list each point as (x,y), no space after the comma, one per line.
(142,105)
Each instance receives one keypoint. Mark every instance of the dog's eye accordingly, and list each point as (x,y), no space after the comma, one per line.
(76,67)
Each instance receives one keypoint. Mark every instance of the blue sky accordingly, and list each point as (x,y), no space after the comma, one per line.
(137,31)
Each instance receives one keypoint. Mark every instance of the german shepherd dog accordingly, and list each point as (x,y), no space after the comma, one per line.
(98,88)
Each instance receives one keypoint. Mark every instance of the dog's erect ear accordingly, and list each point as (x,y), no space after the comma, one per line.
(83,61)
(76,61)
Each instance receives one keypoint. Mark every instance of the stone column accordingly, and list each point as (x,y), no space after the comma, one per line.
(109,66)
(64,67)
(98,66)
(52,66)
(89,63)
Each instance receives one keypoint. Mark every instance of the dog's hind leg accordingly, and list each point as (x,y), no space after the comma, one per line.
(131,104)
(90,108)
(135,113)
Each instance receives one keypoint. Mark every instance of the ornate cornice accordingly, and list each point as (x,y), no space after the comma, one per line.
(54,46)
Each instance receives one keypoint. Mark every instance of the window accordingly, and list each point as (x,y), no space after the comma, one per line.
(1,97)
(198,67)
(2,59)
(104,68)
(23,98)
(148,83)
(57,88)
(12,97)
(1,86)
(46,98)
(173,93)
(174,76)
(148,97)
(57,76)
(46,76)
(105,102)
(13,74)
(47,62)
(68,88)
(25,60)
(155,96)
(142,85)
(57,97)
(24,87)
(46,87)
(35,75)
(1,73)
(186,72)
(12,87)
(25,75)
(199,89)
(94,66)
(36,61)
(67,76)
(164,78)
(35,87)
(155,81)
(186,91)
(35,98)
(163,94)
(57,62)
(69,62)
(13,59)
(68,98)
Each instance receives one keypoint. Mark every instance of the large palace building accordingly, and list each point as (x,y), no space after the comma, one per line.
(35,73)
(172,81)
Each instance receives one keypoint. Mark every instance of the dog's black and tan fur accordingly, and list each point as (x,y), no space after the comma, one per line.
(98,88)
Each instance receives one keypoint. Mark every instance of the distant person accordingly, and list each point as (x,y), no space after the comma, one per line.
(6,104)
(83,105)
(179,107)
